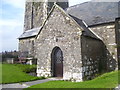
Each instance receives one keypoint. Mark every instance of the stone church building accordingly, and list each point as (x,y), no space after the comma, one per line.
(76,43)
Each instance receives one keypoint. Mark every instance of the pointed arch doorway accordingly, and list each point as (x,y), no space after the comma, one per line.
(57,62)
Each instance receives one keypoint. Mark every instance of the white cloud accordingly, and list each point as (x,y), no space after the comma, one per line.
(11,26)
(10,23)
(10,30)
(9,34)
(0,41)
(105,0)
(15,3)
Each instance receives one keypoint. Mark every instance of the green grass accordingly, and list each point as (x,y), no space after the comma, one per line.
(108,80)
(0,73)
(13,73)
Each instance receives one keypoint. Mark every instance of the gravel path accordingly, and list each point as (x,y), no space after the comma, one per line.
(27,84)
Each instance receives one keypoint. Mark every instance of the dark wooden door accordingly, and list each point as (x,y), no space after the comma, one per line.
(58,63)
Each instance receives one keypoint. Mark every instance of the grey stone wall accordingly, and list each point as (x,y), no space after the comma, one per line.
(28,16)
(35,14)
(64,33)
(27,47)
(108,36)
(39,13)
(93,57)
(117,28)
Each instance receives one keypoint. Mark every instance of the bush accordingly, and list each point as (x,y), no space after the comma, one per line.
(27,68)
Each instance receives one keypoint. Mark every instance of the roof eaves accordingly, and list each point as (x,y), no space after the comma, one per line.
(85,28)
(102,24)
(27,37)
(30,33)
(91,30)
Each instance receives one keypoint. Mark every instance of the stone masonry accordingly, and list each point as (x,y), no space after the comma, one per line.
(27,48)
(35,14)
(108,36)
(64,34)
(94,62)
(117,28)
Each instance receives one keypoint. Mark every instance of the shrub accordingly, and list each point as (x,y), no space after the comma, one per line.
(27,68)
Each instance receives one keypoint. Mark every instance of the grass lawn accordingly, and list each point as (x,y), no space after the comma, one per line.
(13,73)
(108,80)
(0,73)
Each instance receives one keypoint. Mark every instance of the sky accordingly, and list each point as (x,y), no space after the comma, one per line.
(12,22)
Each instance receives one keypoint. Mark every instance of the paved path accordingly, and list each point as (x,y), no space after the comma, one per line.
(117,88)
(27,84)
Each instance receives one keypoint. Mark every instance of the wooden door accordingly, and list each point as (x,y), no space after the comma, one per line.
(57,63)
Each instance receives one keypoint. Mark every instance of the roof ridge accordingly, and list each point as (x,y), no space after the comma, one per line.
(78,4)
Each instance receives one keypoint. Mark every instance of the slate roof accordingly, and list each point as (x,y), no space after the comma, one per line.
(30,33)
(91,12)
(95,12)
(87,32)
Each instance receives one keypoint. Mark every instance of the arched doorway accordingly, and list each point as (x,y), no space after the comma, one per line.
(57,62)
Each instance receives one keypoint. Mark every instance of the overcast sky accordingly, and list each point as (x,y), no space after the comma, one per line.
(11,22)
